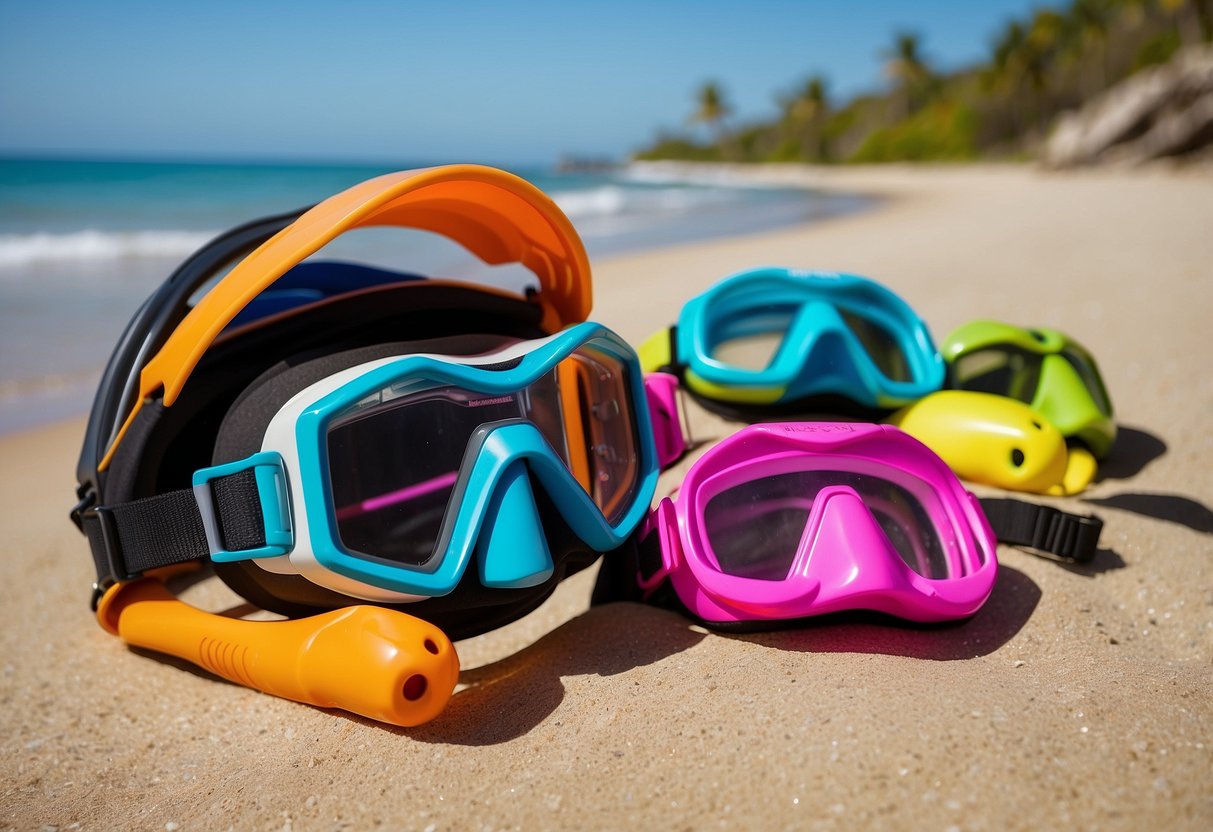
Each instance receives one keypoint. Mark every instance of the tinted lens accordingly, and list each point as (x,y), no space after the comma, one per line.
(1005,372)
(1085,368)
(600,428)
(395,458)
(392,467)
(881,346)
(755,528)
(751,339)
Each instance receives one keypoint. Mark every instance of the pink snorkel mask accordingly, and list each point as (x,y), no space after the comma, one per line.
(789,520)
(784,521)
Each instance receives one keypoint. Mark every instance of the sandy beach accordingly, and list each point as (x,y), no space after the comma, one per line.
(1077,698)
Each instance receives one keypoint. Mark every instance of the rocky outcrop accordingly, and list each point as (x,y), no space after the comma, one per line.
(1159,112)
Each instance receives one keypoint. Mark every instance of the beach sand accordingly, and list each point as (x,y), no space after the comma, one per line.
(1078,697)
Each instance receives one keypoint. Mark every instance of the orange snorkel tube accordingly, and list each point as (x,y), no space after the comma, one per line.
(380,663)
(371,661)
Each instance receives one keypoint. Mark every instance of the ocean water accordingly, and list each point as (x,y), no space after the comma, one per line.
(82,243)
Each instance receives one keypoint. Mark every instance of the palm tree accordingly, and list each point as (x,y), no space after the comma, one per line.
(1091,19)
(804,115)
(1020,64)
(908,70)
(711,108)
(1002,76)
(1187,19)
(1006,47)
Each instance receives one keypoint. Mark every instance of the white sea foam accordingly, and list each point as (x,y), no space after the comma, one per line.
(690,173)
(587,204)
(614,200)
(40,247)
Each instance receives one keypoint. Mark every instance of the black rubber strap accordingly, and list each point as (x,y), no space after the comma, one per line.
(638,557)
(648,556)
(1043,528)
(130,538)
(673,367)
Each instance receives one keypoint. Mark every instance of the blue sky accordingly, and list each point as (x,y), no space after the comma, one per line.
(493,82)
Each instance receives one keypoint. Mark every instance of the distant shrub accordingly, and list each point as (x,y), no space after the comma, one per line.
(1157,50)
(942,131)
(682,150)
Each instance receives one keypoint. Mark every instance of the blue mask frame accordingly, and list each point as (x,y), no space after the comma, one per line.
(818,354)
(496,517)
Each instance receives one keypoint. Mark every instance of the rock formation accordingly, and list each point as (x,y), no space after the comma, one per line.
(1159,112)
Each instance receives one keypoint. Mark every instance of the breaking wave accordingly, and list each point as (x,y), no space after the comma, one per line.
(40,247)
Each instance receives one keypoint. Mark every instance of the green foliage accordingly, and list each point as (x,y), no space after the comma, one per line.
(1048,62)
(1157,50)
(942,131)
(680,148)
(711,106)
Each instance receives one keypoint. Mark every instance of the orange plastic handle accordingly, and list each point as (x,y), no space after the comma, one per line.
(371,661)
(499,217)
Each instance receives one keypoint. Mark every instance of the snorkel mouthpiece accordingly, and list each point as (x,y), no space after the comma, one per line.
(371,661)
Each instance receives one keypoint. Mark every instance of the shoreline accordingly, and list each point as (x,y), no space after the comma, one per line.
(1077,698)
(87,321)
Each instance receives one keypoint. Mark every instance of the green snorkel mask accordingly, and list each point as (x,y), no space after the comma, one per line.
(1043,368)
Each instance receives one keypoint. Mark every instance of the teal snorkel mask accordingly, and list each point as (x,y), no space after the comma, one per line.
(774,342)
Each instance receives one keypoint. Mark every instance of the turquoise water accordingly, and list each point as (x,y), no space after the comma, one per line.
(82,243)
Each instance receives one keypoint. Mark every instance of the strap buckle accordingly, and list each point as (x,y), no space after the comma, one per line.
(87,497)
(270,476)
(111,566)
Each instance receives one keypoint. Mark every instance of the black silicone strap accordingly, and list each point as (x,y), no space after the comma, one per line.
(1043,528)
(130,538)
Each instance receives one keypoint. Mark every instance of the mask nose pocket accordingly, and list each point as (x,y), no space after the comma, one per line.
(512,550)
(828,347)
(849,549)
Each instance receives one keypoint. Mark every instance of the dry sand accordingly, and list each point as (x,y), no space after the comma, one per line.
(1077,698)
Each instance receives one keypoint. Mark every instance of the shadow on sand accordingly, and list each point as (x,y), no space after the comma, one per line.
(1010,606)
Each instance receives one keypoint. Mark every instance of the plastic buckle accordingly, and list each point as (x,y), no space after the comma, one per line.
(115,564)
(270,476)
(87,497)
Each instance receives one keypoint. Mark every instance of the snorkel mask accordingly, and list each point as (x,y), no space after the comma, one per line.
(773,342)
(180,463)
(786,521)
(1029,410)
(1043,368)
(386,480)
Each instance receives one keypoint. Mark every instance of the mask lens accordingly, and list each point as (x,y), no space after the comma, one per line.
(599,427)
(1085,368)
(881,346)
(395,458)
(393,465)
(750,339)
(754,529)
(1005,372)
